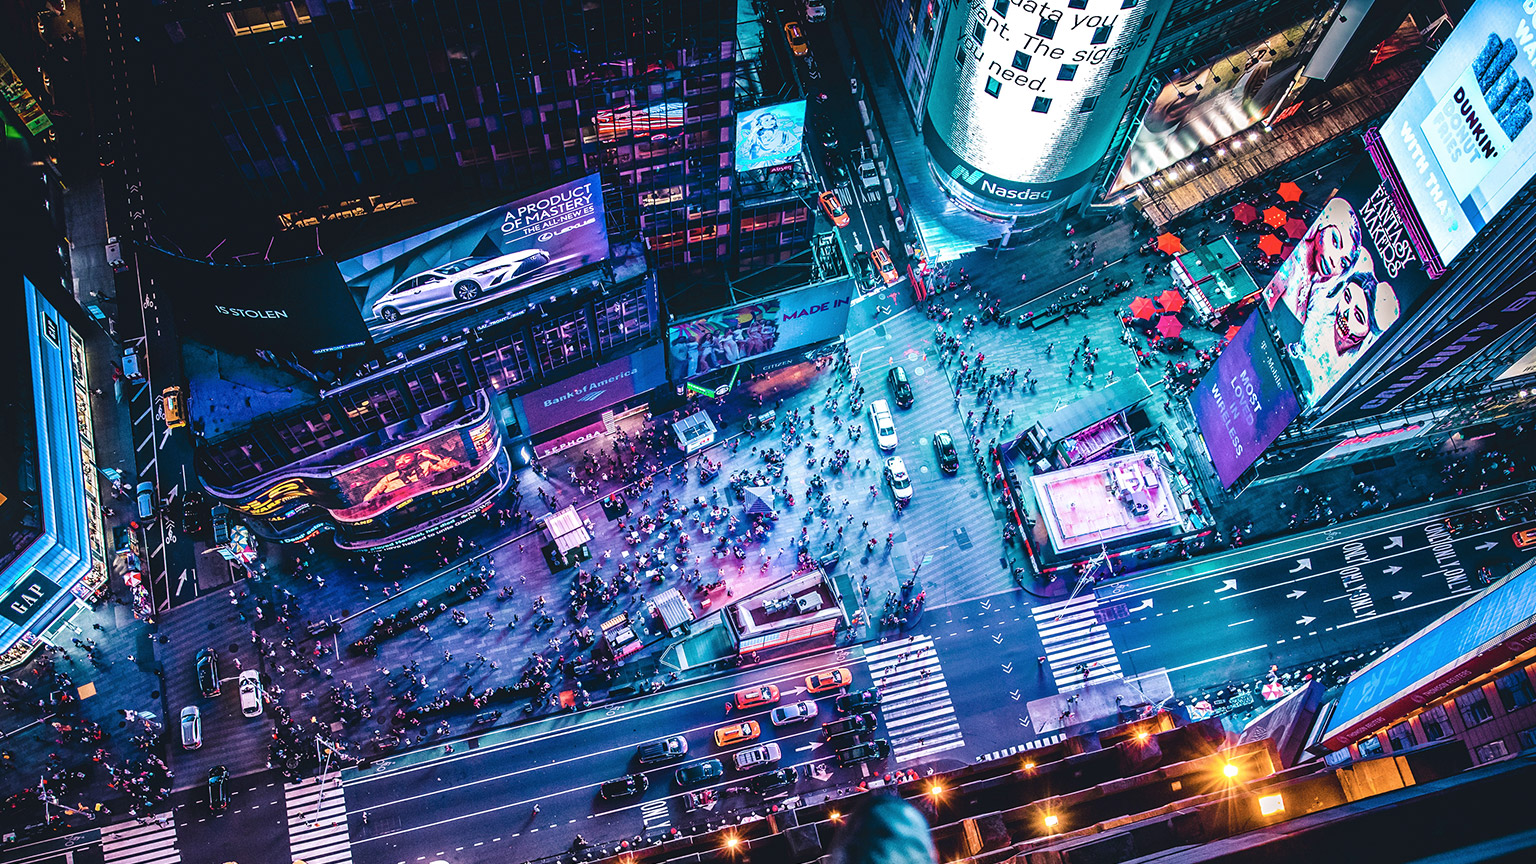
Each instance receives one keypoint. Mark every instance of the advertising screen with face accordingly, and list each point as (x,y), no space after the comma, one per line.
(1458,137)
(378,485)
(1244,402)
(769,136)
(1346,283)
(1213,103)
(479,261)
(781,323)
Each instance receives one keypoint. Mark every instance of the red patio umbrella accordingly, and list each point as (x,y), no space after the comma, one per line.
(1275,217)
(1269,244)
(1295,228)
(1232,331)
(1290,191)
(1170,300)
(1170,326)
(1169,243)
(1142,307)
(1244,213)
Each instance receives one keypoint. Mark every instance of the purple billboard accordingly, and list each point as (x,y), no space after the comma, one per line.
(593,390)
(1244,402)
(480,260)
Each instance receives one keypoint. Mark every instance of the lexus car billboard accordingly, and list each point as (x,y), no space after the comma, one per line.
(479,260)
(769,136)
(1244,402)
(1458,138)
(781,323)
(1346,283)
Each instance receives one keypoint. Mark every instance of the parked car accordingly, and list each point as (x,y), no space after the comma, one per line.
(207,665)
(831,203)
(755,757)
(665,750)
(699,774)
(251,693)
(869,175)
(899,480)
(737,733)
(828,679)
(133,370)
(752,697)
(218,788)
(858,701)
(191,727)
(885,427)
(873,751)
(796,38)
(944,449)
(146,500)
(799,712)
(623,787)
(774,782)
(458,281)
(901,388)
(853,724)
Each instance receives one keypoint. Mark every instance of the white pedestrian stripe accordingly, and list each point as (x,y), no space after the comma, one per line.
(1022,748)
(1077,646)
(317,821)
(920,720)
(152,842)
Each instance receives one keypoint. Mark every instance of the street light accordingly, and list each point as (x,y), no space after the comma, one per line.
(1051,821)
(1229,770)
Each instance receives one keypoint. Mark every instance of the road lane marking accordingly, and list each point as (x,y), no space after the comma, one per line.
(1222,657)
(1244,621)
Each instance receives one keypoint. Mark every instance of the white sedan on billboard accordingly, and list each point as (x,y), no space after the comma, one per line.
(458,281)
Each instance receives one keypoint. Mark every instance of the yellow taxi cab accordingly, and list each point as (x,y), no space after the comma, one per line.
(796,39)
(174,406)
(755,696)
(834,207)
(828,679)
(883,264)
(1526,538)
(737,733)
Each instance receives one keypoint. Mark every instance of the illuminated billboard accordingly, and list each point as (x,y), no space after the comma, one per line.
(1244,402)
(790,320)
(1346,283)
(769,136)
(1026,96)
(1458,138)
(481,260)
(389,481)
(1212,103)
(651,120)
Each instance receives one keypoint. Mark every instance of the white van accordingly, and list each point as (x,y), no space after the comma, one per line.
(250,693)
(815,10)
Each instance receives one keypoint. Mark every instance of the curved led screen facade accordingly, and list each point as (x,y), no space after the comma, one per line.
(1027,97)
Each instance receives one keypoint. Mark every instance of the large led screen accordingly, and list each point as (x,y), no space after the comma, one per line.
(388,481)
(1346,283)
(1210,104)
(1459,138)
(769,136)
(1244,402)
(782,323)
(480,260)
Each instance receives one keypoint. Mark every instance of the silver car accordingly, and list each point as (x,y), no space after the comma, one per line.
(191,727)
(458,281)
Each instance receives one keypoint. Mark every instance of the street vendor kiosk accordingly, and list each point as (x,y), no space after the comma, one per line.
(566,537)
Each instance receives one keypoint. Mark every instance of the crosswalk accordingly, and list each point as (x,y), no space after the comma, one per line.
(317,820)
(1077,645)
(1036,744)
(920,719)
(138,842)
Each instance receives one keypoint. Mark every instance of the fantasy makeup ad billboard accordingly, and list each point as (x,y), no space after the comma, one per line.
(780,323)
(769,136)
(1244,402)
(1457,139)
(479,261)
(1347,282)
(1208,105)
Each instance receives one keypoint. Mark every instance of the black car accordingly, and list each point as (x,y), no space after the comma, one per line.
(874,751)
(194,514)
(774,782)
(850,725)
(623,787)
(901,388)
(829,137)
(665,750)
(858,701)
(944,448)
(698,775)
(208,672)
(218,788)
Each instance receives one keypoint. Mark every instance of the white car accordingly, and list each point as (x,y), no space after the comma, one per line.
(799,712)
(885,427)
(757,757)
(191,727)
(458,281)
(250,693)
(897,478)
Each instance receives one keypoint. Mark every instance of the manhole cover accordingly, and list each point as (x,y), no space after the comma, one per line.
(154,694)
(233,647)
(918,370)
(923,470)
(210,625)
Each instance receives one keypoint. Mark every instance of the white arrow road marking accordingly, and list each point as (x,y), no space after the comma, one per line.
(997,638)
(1145,604)
(985,604)
(181,582)
(1227,585)
(797,691)
(1008,668)
(811,746)
(1486,545)
(1395,541)
(1402,595)
(1301,564)
(1305,620)
(1024,721)
(1390,570)
(1015,694)
(1294,594)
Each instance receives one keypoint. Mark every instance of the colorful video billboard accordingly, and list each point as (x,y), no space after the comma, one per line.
(1347,282)
(781,323)
(479,261)
(433,463)
(769,136)
(1458,137)
(1244,402)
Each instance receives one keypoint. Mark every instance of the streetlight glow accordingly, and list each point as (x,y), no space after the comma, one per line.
(1051,820)
(1229,769)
